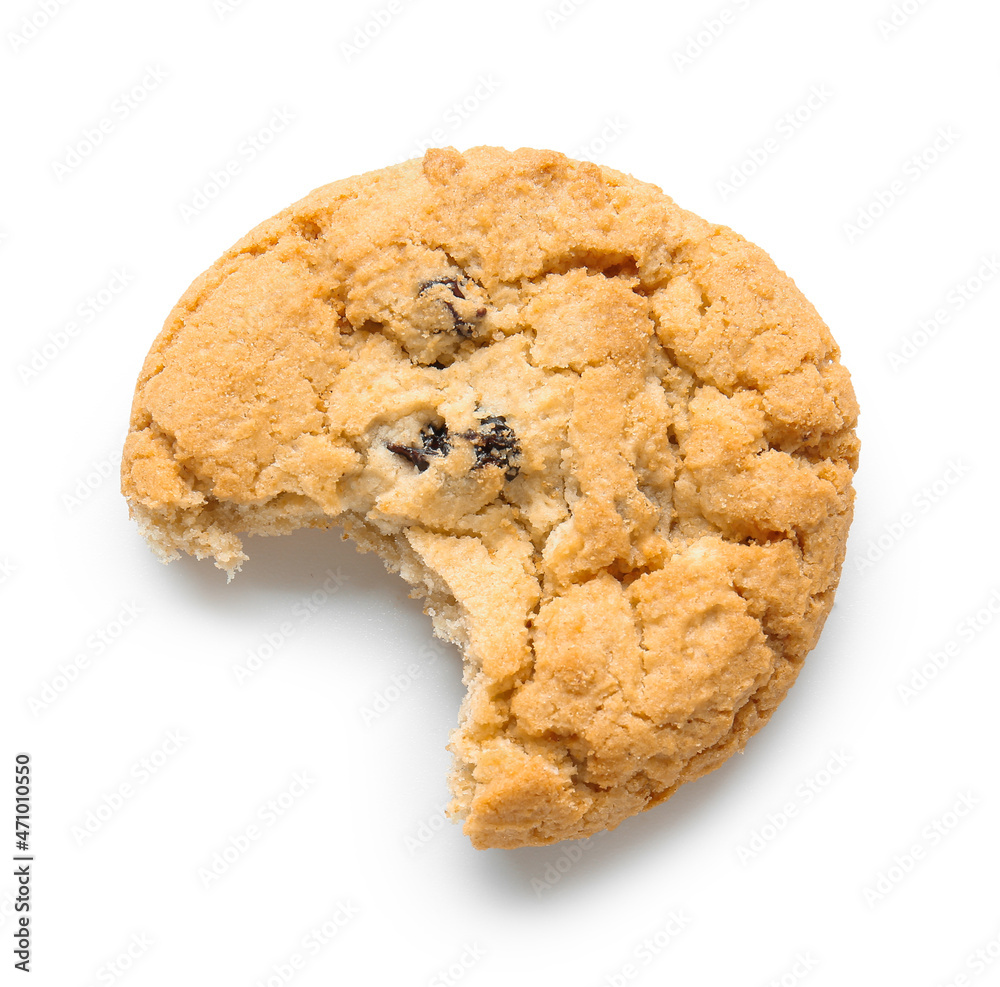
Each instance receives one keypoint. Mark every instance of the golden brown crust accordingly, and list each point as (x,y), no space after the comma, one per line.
(611,443)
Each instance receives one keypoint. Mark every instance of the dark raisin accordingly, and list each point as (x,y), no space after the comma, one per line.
(433,442)
(448,282)
(496,445)
(460,324)
(415,456)
(435,439)
(462,327)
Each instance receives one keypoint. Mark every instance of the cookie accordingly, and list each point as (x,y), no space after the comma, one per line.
(609,443)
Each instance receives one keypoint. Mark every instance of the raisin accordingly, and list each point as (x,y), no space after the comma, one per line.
(462,327)
(435,438)
(460,323)
(415,456)
(434,442)
(447,282)
(496,445)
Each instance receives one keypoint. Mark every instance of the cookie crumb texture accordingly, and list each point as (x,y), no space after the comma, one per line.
(609,443)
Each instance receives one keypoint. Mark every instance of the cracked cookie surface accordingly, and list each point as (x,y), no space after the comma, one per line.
(610,443)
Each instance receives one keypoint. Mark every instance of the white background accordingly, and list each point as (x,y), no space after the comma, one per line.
(832,851)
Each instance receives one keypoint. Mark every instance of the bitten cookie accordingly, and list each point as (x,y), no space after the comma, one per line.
(609,443)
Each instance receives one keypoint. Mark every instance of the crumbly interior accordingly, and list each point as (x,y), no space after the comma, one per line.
(609,442)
